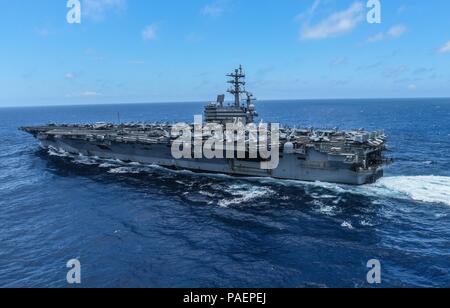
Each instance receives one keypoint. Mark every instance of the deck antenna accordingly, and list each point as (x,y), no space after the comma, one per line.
(237,83)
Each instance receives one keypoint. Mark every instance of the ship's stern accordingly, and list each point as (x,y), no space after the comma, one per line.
(369,177)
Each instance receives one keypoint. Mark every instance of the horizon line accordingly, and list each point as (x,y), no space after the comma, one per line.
(206,101)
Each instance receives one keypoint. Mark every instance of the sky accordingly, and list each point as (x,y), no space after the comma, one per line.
(137,51)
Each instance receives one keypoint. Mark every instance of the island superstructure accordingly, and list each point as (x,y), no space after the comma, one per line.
(353,157)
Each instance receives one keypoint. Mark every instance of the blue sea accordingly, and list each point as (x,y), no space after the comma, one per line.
(145,226)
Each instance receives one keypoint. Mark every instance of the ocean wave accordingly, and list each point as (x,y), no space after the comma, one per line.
(366,223)
(432,189)
(57,152)
(124,170)
(244,194)
(325,209)
(429,189)
(86,160)
(207,194)
(347,225)
(107,165)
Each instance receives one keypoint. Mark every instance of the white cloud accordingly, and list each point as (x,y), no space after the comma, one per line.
(149,33)
(445,48)
(310,12)
(396,71)
(70,75)
(339,61)
(424,70)
(392,33)
(376,38)
(84,94)
(215,9)
(97,9)
(397,31)
(90,94)
(412,87)
(336,24)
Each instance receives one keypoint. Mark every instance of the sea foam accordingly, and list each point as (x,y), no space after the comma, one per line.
(430,189)
(433,189)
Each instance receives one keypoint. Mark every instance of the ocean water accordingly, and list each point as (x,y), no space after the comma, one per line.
(145,226)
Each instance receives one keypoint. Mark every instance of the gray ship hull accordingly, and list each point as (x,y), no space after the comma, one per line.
(314,167)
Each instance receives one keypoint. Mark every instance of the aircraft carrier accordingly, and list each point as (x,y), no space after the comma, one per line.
(354,157)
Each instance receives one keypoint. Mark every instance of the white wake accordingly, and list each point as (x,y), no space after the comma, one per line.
(430,189)
(434,189)
(245,193)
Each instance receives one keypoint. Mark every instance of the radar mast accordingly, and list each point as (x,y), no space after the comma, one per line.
(237,85)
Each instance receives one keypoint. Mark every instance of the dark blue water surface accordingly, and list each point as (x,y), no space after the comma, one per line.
(144,226)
